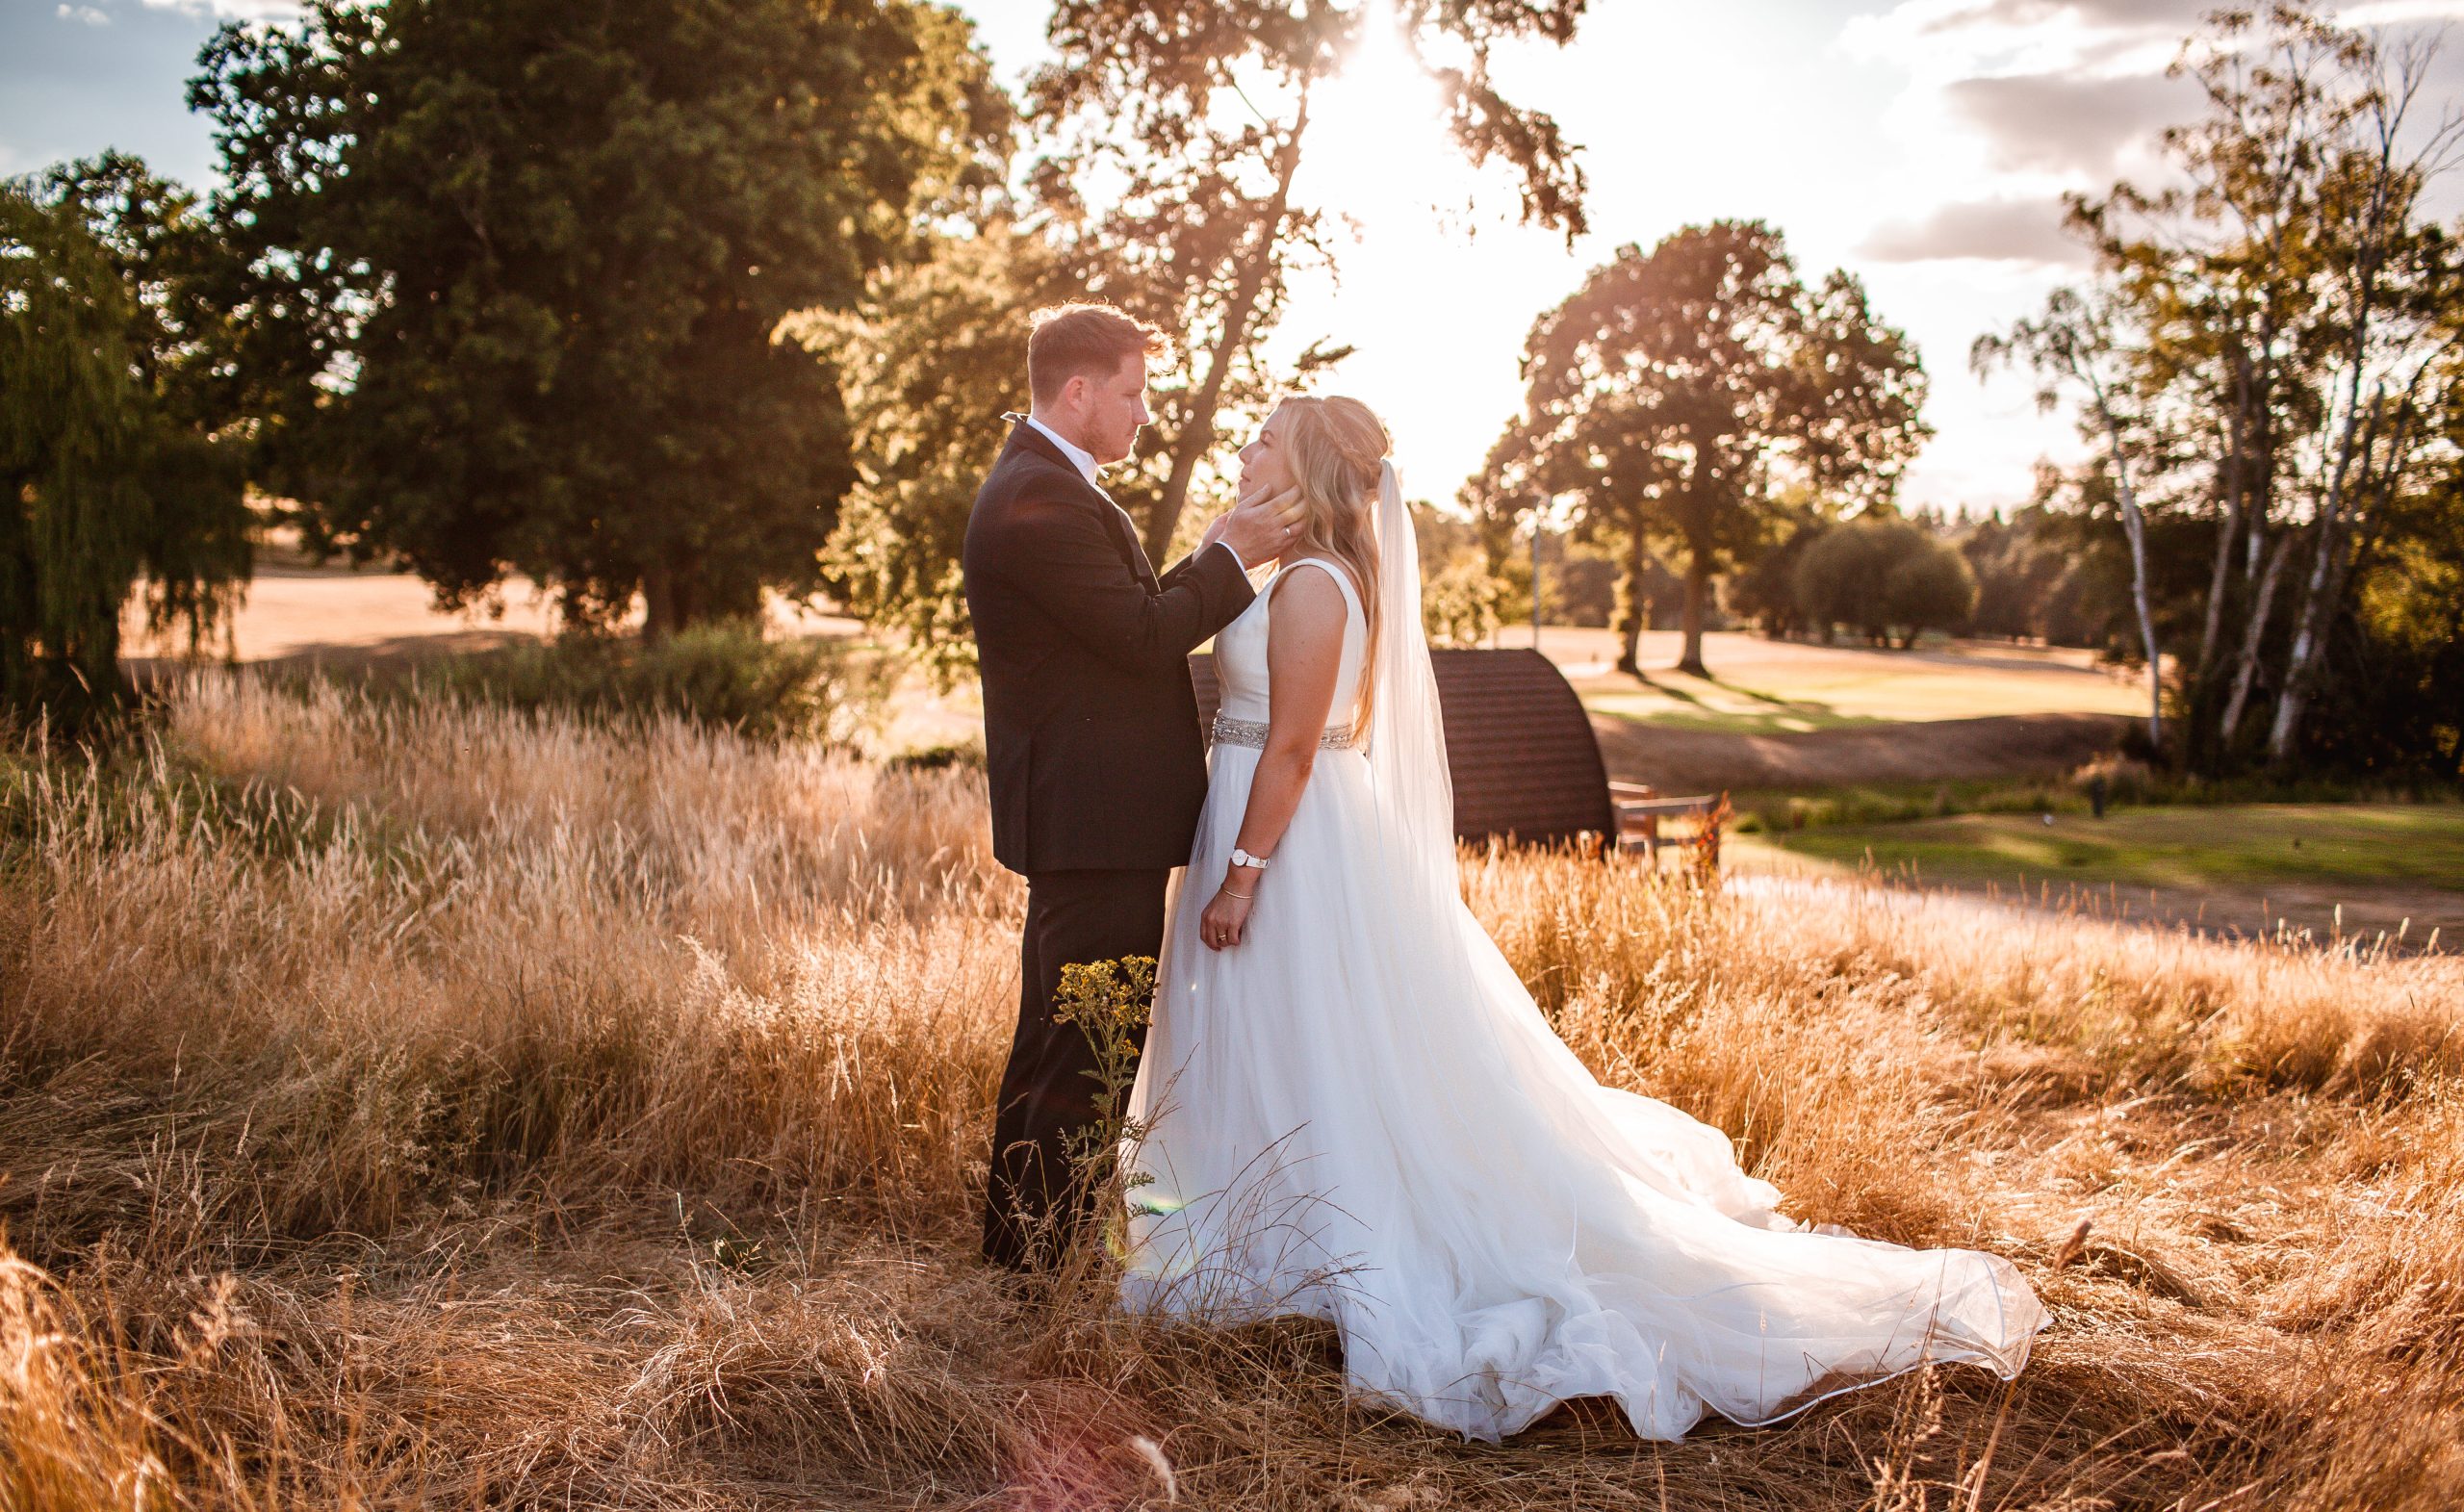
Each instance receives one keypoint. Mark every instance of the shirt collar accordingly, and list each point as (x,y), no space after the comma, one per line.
(1083,458)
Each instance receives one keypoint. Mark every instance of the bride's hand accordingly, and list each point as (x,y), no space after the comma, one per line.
(1225,919)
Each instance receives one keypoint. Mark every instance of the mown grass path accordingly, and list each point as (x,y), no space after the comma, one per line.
(2385,862)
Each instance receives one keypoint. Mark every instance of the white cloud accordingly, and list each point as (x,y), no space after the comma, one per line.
(2002,106)
(231,9)
(1939,39)
(1994,230)
(83,15)
(2398,12)
(2008,101)
(2067,123)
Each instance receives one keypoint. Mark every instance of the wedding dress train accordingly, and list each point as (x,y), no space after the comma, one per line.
(1359,1115)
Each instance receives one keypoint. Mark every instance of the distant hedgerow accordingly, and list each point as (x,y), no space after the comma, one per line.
(725,674)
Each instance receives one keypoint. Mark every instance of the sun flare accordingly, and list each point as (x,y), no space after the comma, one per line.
(1378,141)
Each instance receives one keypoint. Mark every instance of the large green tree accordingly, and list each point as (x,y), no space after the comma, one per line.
(515,268)
(928,364)
(1172,137)
(117,472)
(1680,394)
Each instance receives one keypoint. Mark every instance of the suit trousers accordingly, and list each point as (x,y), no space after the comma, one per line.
(1047,1096)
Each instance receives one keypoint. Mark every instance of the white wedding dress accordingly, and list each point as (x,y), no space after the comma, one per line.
(1359,1115)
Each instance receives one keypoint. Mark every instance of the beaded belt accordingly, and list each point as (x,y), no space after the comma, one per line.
(1251,733)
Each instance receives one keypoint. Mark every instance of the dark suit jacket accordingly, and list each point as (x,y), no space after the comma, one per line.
(1089,724)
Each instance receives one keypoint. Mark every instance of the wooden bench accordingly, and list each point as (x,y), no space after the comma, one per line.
(1640,808)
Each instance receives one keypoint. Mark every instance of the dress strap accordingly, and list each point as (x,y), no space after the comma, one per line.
(1342,579)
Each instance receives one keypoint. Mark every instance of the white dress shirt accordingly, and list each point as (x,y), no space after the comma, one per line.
(1085,461)
(1083,458)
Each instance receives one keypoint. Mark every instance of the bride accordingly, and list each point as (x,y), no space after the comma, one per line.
(1351,1109)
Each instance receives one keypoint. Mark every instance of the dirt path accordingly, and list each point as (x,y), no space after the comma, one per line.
(2007,745)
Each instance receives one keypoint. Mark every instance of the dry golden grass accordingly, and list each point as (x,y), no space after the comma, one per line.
(435,1107)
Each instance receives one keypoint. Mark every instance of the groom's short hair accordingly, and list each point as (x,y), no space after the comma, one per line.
(1088,340)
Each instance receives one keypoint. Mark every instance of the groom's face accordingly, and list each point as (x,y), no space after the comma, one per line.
(1115,408)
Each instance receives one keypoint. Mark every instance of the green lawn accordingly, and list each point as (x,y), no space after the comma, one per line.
(1765,687)
(2179,846)
(1662,709)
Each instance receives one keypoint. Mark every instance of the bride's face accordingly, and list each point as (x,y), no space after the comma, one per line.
(1264,466)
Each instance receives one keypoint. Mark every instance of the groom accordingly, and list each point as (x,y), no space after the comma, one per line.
(1089,724)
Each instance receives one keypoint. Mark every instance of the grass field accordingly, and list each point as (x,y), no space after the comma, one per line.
(2385,867)
(1785,716)
(1779,721)
(415,1106)
(2363,844)
(1767,687)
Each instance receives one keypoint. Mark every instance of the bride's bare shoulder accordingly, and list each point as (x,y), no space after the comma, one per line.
(1331,577)
(1307,606)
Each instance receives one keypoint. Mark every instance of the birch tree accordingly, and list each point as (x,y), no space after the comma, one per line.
(2288,308)
(2075,343)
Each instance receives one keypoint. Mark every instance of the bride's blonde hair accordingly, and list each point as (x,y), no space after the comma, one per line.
(1335,445)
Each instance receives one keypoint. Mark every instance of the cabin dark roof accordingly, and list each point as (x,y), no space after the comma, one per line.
(1517,740)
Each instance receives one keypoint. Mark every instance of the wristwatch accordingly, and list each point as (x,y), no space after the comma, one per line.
(1241,858)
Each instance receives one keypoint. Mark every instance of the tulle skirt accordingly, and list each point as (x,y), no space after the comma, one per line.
(1359,1115)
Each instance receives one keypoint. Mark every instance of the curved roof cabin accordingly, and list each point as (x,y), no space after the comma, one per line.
(1517,742)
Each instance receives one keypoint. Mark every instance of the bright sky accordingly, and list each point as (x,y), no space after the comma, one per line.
(1922,144)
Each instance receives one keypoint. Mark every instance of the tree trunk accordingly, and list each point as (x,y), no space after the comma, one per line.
(2309,635)
(2236,488)
(660,609)
(1698,592)
(2310,630)
(2335,563)
(2134,526)
(1632,611)
(2253,636)
(2138,530)
(675,597)
(1197,432)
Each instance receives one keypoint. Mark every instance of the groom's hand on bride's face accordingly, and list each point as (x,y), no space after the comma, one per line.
(1264,526)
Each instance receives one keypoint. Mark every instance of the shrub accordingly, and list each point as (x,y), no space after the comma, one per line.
(967,754)
(1931,589)
(725,674)
(1882,577)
